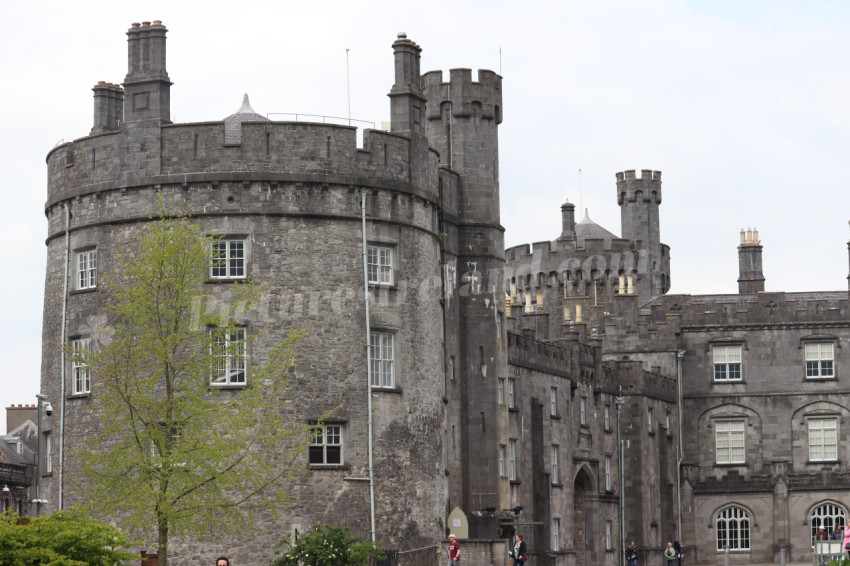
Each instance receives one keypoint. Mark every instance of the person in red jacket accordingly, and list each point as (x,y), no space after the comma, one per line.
(454,551)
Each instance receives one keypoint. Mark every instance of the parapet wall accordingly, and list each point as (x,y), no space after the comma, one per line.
(270,151)
(647,187)
(465,96)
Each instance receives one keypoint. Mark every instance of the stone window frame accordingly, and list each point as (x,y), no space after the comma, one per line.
(512,460)
(606,416)
(830,510)
(553,402)
(739,517)
(385,353)
(235,341)
(743,435)
(319,446)
(378,272)
(500,391)
(503,469)
(609,532)
(835,420)
(80,372)
(607,471)
(556,534)
(715,347)
(512,393)
(806,342)
(555,464)
(235,266)
(582,411)
(85,268)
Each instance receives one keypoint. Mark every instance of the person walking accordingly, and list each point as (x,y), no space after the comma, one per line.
(632,554)
(670,554)
(847,541)
(520,553)
(837,534)
(454,551)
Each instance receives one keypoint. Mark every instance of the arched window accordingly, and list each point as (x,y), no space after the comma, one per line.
(827,516)
(733,529)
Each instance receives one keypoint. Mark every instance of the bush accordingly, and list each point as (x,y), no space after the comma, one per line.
(65,538)
(329,546)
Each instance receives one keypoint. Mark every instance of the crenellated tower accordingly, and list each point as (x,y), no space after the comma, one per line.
(639,200)
(462,125)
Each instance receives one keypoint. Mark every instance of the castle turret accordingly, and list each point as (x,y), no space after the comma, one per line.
(407,104)
(750,276)
(462,125)
(147,88)
(568,221)
(639,200)
(108,107)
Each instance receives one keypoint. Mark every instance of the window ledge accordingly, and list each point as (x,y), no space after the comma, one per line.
(83,291)
(556,417)
(376,389)
(513,409)
(557,484)
(816,378)
(78,395)
(228,385)
(822,462)
(225,280)
(318,467)
(730,465)
(515,482)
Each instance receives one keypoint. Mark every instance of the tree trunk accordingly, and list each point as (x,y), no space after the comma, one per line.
(162,540)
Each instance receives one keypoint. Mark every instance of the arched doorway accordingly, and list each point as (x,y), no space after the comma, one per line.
(582,490)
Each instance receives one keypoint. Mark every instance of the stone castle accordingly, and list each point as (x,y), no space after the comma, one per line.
(500,381)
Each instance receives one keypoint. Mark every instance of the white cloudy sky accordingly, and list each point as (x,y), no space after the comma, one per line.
(743,105)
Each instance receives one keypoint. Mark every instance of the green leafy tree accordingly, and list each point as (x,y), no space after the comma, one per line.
(175,453)
(329,546)
(65,538)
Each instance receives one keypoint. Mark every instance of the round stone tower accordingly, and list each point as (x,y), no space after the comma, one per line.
(286,198)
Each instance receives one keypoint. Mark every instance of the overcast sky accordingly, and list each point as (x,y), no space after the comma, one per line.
(742,105)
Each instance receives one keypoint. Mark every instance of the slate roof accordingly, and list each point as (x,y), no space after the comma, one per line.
(233,123)
(590,230)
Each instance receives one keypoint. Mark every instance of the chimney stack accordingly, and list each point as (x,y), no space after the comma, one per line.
(750,276)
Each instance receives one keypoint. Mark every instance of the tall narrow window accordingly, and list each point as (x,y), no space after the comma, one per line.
(48,454)
(501,390)
(649,423)
(607,413)
(502,458)
(607,473)
(379,265)
(823,439)
(382,360)
(228,259)
(556,534)
(609,531)
(80,372)
(87,269)
(729,442)
(819,361)
(556,474)
(583,411)
(512,394)
(553,401)
(512,461)
(228,354)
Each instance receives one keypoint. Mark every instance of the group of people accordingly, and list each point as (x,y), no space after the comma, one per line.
(672,554)
(518,555)
(838,533)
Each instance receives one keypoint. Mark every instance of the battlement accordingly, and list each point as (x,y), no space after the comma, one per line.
(631,188)
(462,96)
(276,150)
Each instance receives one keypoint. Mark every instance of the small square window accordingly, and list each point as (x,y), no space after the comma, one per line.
(727,363)
(228,259)
(326,445)
(819,361)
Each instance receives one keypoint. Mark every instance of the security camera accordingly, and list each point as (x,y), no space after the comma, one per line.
(48,409)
